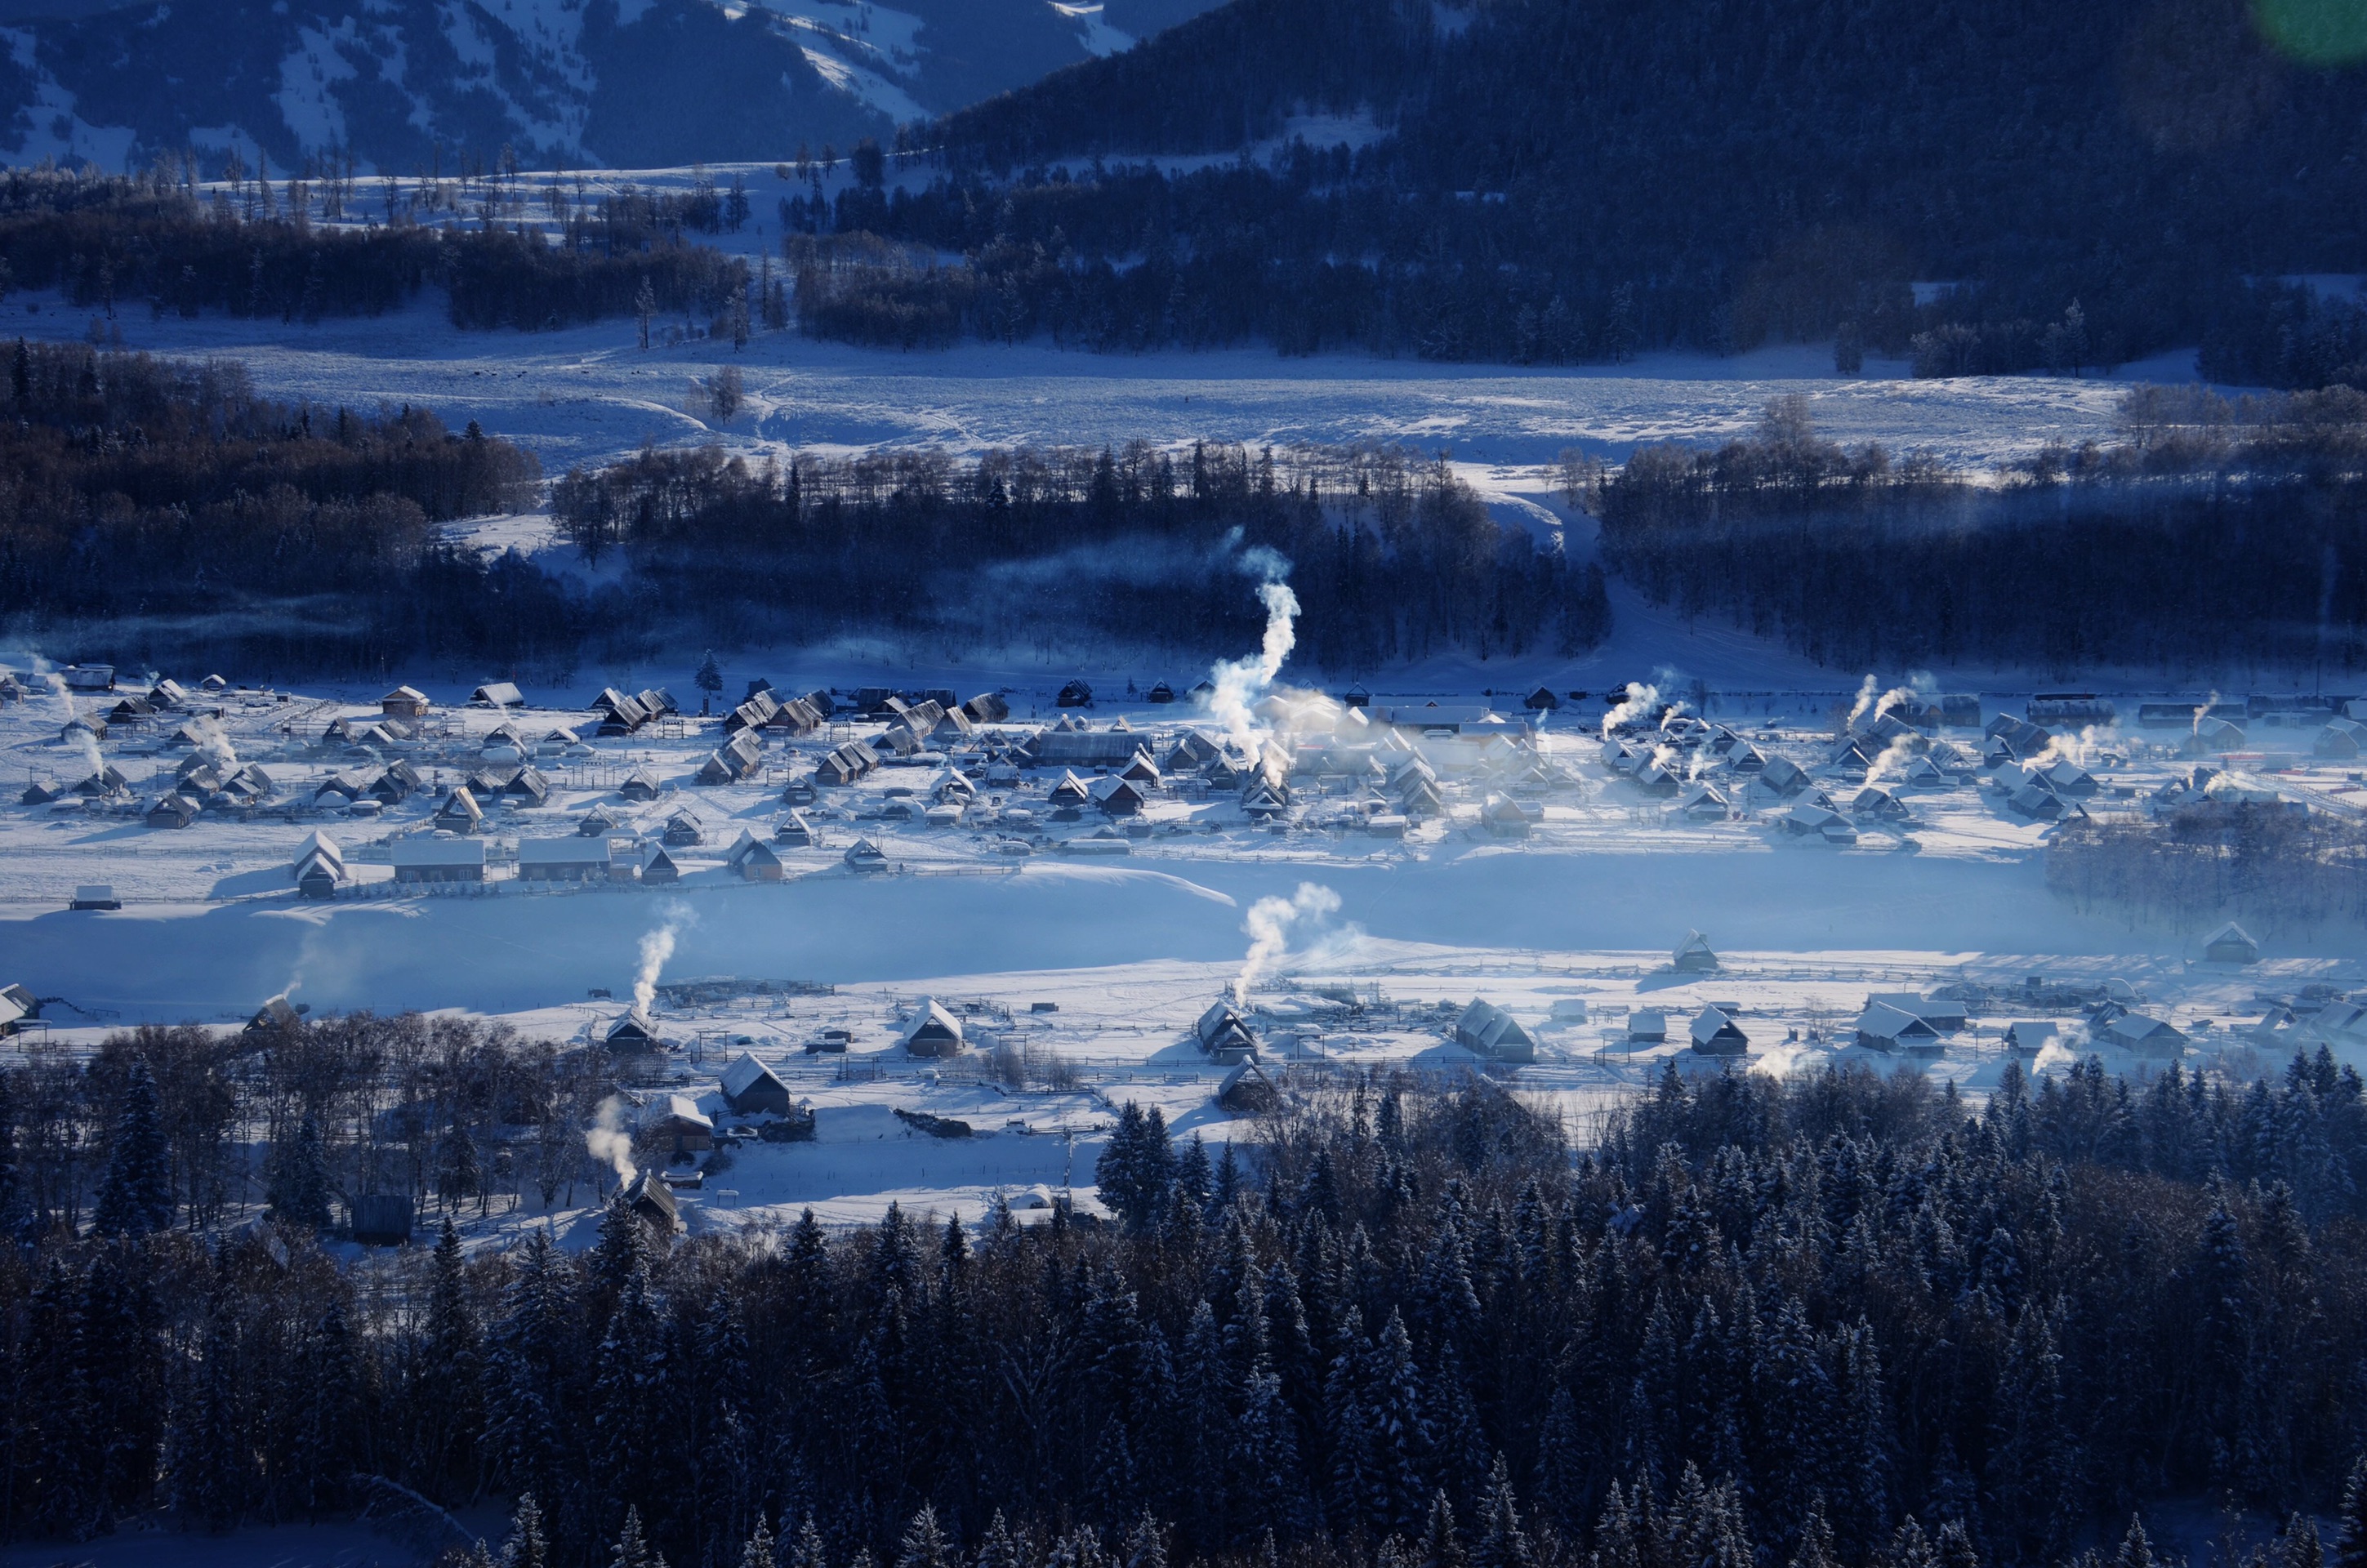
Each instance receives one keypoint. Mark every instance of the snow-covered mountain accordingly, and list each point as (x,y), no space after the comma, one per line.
(410,85)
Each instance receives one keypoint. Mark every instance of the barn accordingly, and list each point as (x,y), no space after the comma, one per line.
(497,694)
(576,857)
(437,860)
(1882,1027)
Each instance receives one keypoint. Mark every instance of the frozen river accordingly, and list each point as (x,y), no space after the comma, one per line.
(513,953)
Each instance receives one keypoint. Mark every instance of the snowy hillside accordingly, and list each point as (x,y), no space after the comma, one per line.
(415,85)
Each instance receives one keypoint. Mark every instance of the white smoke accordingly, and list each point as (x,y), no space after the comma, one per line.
(1777,1061)
(86,743)
(1865,694)
(1894,760)
(2203,712)
(2052,1056)
(1641,700)
(1240,681)
(606,1140)
(656,946)
(1268,927)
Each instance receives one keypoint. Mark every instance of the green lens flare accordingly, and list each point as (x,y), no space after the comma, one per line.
(2316,32)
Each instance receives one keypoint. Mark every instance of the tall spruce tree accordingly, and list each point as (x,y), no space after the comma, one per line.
(136,1199)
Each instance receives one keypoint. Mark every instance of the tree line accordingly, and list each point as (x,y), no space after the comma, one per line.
(254,249)
(1392,557)
(156,509)
(1542,182)
(2212,534)
(1835,1320)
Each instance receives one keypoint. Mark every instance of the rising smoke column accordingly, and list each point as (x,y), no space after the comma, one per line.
(656,947)
(1240,681)
(1268,927)
(606,1140)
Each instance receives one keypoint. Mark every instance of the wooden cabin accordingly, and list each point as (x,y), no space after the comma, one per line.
(751,1089)
(932,1031)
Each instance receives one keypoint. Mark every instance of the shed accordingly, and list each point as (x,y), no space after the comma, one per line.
(437,860)
(1784,776)
(1716,1034)
(598,821)
(2344,738)
(754,860)
(932,1031)
(864,855)
(658,868)
(1489,1031)
(1223,1035)
(2231,943)
(1693,955)
(640,787)
(683,828)
(1542,700)
(1069,791)
(497,694)
(2212,735)
(797,832)
(1075,695)
(88,677)
(1648,1026)
(404,702)
(95,896)
(17,1004)
(576,857)
(381,1219)
(750,1088)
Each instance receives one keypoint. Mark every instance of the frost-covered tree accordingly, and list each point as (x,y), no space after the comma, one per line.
(137,1196)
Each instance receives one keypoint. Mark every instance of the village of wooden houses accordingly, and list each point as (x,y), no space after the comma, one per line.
(794,924)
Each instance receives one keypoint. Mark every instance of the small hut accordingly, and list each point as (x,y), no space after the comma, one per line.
(460,813)
(1075,695)
(649,1199)
(640,787)
(864,855)
(752,860)
(1487,1029)
(404,702)
(1716,1034)
(497,694)
(657,867)
(1223,1035)
(381,1219)
(2231,943)
(678,1127)
(635,1030)
(1693,955)
(796,832)
(1247,1092)
(1648,1026)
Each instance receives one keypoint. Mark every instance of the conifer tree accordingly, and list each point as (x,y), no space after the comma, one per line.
(2351,1546)
(1502,1543)
(526,1547)
(924,1544)
(806,1547)
(137,1196)
(758,1552)
(1441,1547)
(299,1191)
(632,1548)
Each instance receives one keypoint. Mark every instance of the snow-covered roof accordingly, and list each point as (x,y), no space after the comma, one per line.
(744,1072)
(576,849)
(424,852)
